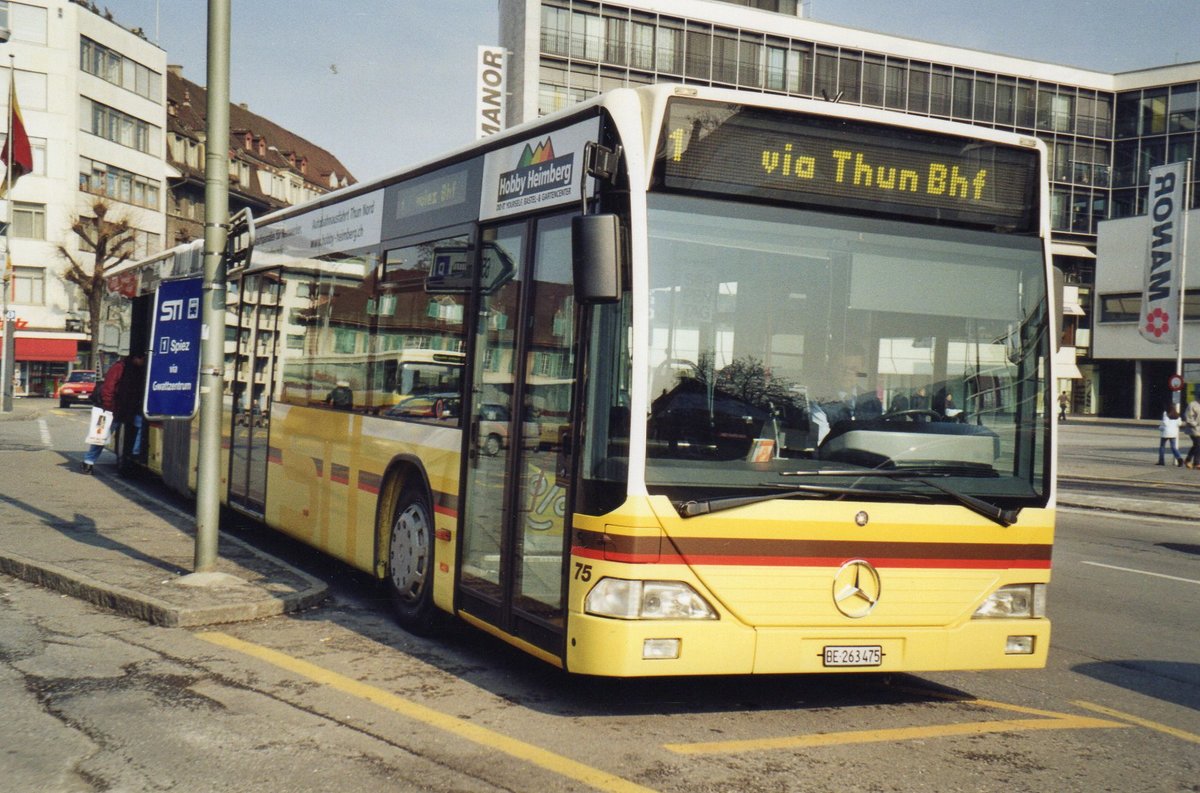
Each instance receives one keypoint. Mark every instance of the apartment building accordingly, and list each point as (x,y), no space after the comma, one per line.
(270,167)
(91,94)
(1104,131)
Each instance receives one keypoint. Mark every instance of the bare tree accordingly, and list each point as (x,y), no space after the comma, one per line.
(106,239)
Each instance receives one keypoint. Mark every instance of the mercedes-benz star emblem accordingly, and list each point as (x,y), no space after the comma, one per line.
(856,588)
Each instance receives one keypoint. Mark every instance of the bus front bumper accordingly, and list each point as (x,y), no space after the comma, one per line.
(647,648)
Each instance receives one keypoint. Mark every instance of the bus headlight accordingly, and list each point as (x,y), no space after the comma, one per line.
(647,600)
(1014,601)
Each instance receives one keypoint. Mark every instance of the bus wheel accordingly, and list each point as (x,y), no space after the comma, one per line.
(410,562)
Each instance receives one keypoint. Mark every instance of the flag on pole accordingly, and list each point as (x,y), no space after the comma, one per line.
(1160,320)
(16,154)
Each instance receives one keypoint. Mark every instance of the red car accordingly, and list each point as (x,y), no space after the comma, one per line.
(78,387)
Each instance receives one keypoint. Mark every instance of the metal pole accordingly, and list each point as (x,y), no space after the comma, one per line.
(212,344)
(10,344)
(1183,240)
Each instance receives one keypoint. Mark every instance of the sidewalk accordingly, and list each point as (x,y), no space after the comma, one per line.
(1118,453)
(99,539)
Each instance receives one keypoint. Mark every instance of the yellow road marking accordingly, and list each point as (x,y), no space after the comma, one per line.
(895,734)
(481,735)
(1050,720)
(1152,725)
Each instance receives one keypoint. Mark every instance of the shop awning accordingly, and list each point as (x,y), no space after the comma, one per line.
(52,350)
(1068,371)
(1071,249)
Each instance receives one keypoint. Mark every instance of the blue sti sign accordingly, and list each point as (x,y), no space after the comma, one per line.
(173,370)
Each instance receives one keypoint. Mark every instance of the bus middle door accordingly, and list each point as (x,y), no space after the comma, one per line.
(514,528)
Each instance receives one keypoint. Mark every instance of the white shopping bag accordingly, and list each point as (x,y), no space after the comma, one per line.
(99,428)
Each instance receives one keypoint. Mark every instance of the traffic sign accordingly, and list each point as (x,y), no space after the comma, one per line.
(173,371)
(1175,382)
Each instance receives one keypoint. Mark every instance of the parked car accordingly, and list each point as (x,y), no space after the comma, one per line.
(78,387)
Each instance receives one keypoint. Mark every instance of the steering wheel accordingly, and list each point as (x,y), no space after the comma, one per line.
(897,415)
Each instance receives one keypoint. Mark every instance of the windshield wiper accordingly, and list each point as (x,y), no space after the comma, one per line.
(1005,517)
(690,509)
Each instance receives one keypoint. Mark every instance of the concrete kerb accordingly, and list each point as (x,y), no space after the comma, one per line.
(248,601)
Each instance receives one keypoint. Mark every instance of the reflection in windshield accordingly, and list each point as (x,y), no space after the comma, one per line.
(784,339)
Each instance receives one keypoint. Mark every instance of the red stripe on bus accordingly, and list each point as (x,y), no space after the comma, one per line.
(812,561)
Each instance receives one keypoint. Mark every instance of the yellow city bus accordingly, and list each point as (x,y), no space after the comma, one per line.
(773,376)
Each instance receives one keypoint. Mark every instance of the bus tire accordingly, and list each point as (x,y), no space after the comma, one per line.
(410,561)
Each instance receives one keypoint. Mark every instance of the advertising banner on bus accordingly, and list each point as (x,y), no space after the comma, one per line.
(536,173)
(346,225)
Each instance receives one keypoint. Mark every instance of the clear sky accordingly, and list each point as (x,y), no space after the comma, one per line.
(386,83)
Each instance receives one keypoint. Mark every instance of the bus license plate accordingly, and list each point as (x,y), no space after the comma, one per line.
(863,655)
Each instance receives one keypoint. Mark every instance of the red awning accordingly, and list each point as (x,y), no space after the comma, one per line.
(55,350)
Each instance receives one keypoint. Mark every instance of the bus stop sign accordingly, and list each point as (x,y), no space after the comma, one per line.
(1175,383)
(173,370)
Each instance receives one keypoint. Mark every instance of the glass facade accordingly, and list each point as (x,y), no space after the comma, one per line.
(1102,144)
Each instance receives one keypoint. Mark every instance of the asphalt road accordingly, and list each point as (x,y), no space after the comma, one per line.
(340,698)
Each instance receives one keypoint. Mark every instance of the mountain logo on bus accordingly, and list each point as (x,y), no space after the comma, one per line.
(539,176)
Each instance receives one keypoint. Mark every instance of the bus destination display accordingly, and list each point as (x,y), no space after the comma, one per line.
(850,165)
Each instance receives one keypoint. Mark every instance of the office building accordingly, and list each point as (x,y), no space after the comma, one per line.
(91,95)
(1103,131)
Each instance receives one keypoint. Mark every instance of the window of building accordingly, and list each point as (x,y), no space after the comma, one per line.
(1093,114)
(29,286)
(616,40)
(895,93)
(872,80)
(99,178)
(587,36)
(918,88)
(962,87)
(1026,104)
(724,56)
(775,68)
(1006,101)
(1185,100)
(24,22)
(112,124)
(698,54)
(29,221)
(1054,111)
(850,76)
(750,65)
(939,91)
(1122,307)
(800,69)
(826,73)
(1128,114)
(556,31)
(985,99)
(641,45)
(1153,112)
(113,67)
(669,49)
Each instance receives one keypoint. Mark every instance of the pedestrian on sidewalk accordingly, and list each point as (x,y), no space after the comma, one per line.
(1168,433)
(1064,402)
(121,394)
(1191,425)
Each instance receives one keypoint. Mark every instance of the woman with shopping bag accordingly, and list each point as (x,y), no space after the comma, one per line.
(117,399)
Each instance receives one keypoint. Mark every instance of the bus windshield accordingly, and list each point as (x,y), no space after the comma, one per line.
(788,341)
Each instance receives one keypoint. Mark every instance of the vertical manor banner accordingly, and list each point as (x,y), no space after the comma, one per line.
(1159,321)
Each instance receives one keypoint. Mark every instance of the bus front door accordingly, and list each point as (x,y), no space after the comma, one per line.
(514,527)
(258,316)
